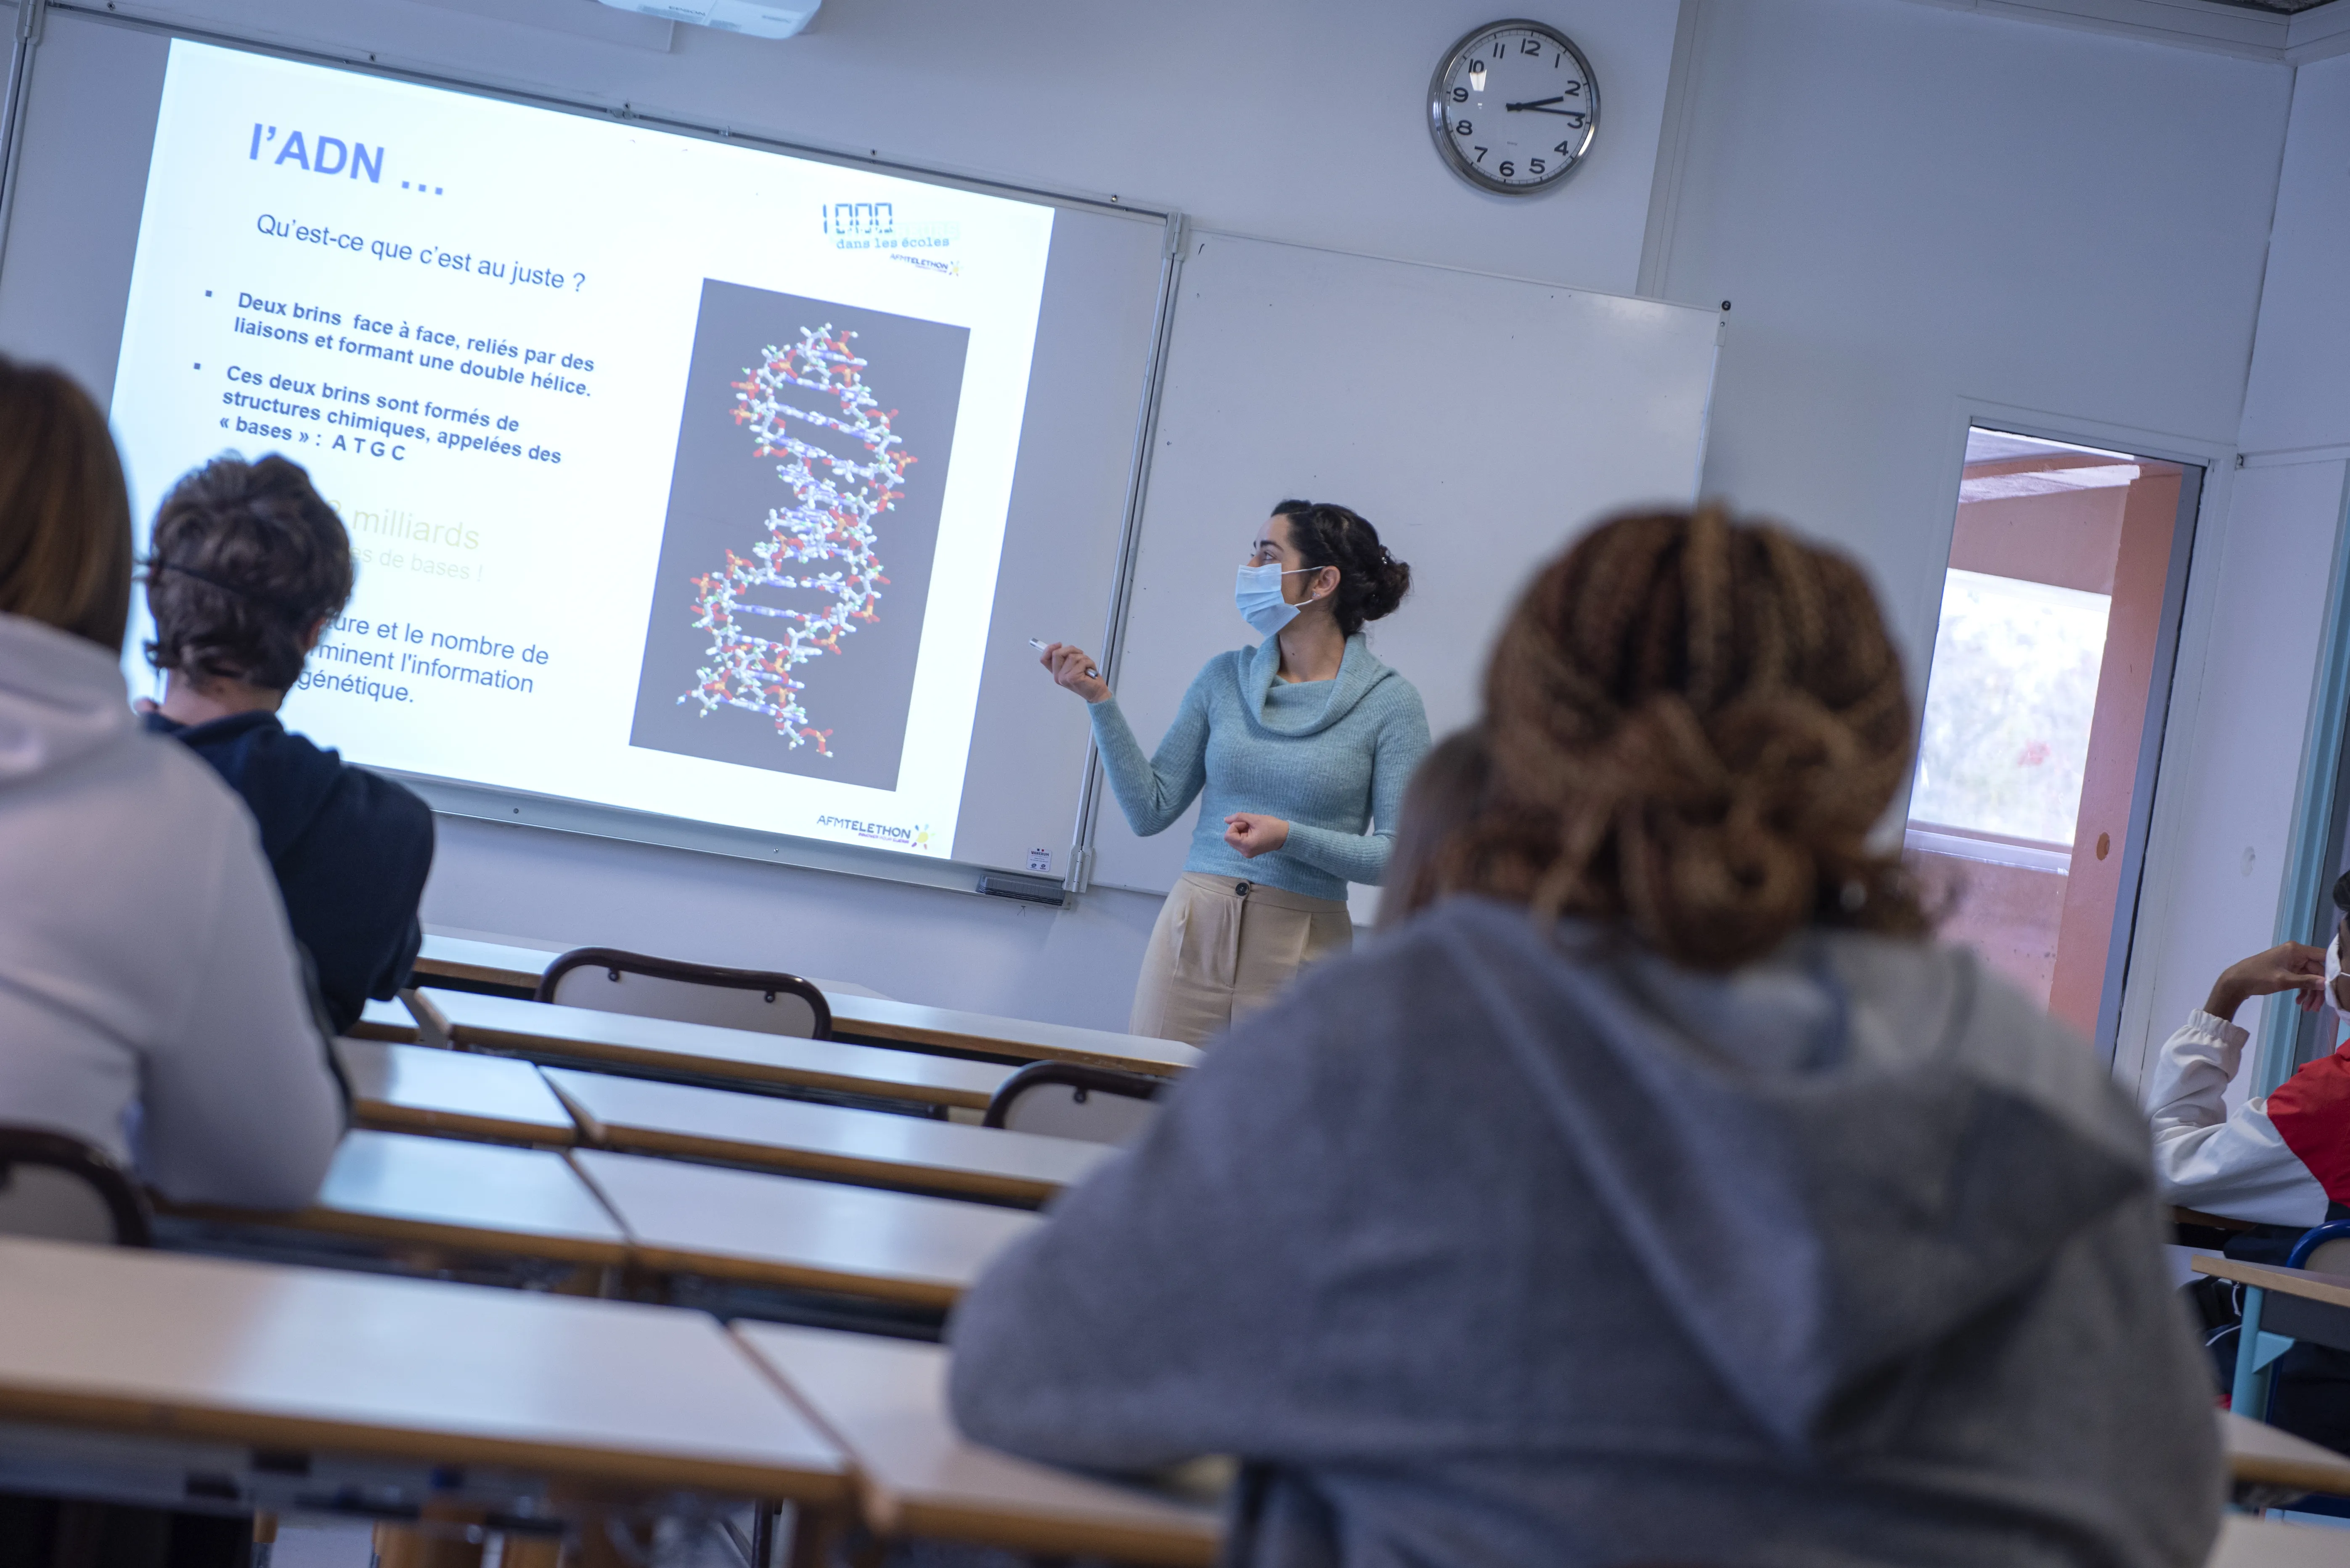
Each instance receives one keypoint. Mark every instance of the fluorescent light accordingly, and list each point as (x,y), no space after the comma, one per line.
(759,18)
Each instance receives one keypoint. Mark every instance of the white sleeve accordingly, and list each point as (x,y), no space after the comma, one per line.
(239,1105)
(2204,1158)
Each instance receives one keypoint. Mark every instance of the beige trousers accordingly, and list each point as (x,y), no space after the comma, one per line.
(1225,948)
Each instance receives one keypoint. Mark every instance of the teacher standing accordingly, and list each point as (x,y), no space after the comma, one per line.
(1301,747)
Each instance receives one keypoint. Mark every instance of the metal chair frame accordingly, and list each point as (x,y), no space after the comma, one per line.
(772,982)
(125,1203)
(1083,1080)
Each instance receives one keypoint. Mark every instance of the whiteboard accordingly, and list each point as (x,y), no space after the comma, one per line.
(1479,423)
(87,146)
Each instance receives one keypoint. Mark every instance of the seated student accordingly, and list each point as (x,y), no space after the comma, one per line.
(2278,1159)
(245,568)
(152,1002)
(1663,1193)
(2281,1161)
(1445,791)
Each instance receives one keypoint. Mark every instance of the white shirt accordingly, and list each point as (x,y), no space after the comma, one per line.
(2204,1158)
(150,998)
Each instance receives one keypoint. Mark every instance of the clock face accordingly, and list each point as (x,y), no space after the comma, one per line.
(1513,107)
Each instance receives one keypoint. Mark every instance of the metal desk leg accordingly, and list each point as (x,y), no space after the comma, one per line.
(2256,1352)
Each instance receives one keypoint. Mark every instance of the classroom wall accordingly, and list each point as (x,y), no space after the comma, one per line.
(2256,671)
(1299,122)
(1910,206)
(1921,213)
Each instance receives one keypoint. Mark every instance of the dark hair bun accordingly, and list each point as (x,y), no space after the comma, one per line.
(1371,582)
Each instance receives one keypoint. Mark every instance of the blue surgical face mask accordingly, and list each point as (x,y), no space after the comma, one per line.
(1257,595)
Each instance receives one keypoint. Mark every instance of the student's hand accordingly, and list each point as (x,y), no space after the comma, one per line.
(144,706)
(2288,966)
(1069,663)
(1254,835)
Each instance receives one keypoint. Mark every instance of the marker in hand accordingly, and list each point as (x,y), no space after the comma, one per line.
(1040,645)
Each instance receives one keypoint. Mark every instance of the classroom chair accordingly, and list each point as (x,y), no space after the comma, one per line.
(614,982)
(63,1189)
(1061,1099)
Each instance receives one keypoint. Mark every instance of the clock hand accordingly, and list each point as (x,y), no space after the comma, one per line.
(1570,113)
(1535,103)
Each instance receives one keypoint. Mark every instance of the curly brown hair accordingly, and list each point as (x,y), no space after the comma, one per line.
(1692,726)
(65,516)
(246,561)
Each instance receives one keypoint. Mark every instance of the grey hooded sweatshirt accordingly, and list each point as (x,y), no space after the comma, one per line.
(1490,1245)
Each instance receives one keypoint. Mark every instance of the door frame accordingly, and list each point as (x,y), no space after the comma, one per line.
(2159,817)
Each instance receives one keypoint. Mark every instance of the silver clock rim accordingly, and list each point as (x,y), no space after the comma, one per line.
(1439,117)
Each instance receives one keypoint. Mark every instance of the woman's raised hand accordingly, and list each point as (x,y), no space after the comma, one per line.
(1073,668)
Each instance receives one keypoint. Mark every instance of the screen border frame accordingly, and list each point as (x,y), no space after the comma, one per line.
(564,814)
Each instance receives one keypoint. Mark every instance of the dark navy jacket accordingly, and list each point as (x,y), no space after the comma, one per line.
(350,850)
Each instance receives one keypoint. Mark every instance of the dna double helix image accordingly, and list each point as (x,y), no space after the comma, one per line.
(824,541)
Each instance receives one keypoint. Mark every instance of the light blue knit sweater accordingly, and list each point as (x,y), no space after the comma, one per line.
(1330,757)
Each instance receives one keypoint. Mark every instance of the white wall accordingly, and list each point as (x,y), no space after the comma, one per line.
(2253,681)
(1911,206)
(1922,212)
(1299,122)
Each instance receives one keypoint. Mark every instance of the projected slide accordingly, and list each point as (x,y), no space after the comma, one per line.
(803,518)
(678,472)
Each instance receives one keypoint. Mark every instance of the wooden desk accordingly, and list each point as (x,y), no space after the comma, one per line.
(2331,1289)
(517,966)
(455,1094)
(883,1401)
(292,1360)
(2248,1542)
(906,1023)
(2259,1455)
(873,1148)
(787,1232)
(2281,1305)
(436,1191)
(855,1012)
(658,1045)
(513,965)
(385,1020)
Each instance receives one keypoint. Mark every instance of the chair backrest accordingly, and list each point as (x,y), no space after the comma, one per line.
(1061,1099)
(2323,1248)
(615,981)
(63,1189)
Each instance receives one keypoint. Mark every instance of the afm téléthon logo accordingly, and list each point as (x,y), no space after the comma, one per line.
(917,837)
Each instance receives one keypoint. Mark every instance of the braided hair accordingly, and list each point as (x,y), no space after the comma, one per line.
(1692,726)
(1371,582)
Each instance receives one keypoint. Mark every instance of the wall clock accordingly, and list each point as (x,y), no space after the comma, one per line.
(1513,107)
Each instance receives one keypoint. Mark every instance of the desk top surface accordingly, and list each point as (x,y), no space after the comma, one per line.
(521,963)
(792,1232)
(507,1022)
(861,1012)
(2261,1453)
(2248,1542)
(881,1018)
(405,1186)
(2334,1289)
(384,1021)
(761,1129)
(302,1358)
(885,1401)
(419,1088)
